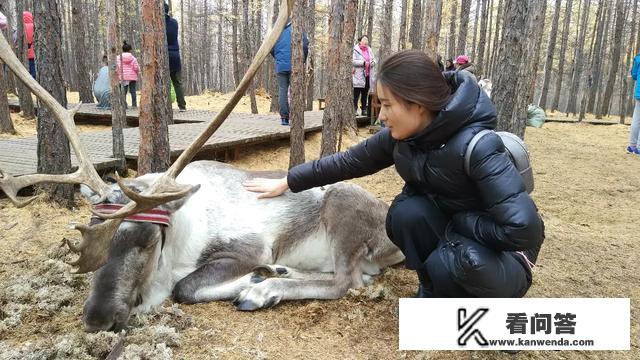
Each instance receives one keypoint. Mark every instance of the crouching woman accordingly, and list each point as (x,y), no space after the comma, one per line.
(466,235)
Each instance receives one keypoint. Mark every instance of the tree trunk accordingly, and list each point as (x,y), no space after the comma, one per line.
(480,60)
(370,12)
(402,38)
(452,30)
(339,98)
(24,94)
(576,78)
(220,48)
(461,45)
(415,36)
(628,100)
(474,45)
(81,55)
(296,111)
(497,37)
(615,59)
(563,50)
(385,44)
(155,103)
(548,65)
(433,21)
(6,125)
(507,67)
(273,85)
(248,54)
(311,61)
(530,60)
(597,58)
(118,114)
(234,43)
(54,155)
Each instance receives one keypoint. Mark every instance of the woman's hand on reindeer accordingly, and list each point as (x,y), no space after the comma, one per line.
(267,188)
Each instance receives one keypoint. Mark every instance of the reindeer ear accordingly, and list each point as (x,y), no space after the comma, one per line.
(173,206)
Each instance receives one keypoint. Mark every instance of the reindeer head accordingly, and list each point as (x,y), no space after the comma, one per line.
(104,242)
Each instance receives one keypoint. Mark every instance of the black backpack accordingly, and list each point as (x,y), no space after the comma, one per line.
(517,150)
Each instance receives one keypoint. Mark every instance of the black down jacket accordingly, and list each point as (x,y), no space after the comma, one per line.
(490,206)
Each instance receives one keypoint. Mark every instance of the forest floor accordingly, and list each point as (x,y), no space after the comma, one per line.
(586,188)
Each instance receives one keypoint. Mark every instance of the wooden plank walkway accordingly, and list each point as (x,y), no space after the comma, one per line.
(90,114)
(19,156)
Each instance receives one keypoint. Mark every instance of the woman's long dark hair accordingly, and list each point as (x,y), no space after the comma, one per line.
(413,77)
(126,47)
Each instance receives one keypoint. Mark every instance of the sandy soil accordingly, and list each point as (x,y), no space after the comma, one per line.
(586,189)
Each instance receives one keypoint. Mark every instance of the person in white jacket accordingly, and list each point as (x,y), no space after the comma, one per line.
(363,73)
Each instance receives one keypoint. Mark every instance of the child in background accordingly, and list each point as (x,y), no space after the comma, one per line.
(128,70)
(102,86)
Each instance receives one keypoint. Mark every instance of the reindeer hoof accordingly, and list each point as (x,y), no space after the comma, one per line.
(246,305)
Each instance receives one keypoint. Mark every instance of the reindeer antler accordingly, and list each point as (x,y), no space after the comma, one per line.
(86,173)
(96,239)
(165,188)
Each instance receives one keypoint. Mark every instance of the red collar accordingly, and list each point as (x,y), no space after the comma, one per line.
(154,216)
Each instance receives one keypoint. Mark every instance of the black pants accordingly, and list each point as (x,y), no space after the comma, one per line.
(131,88)
(454,266)
(361,94)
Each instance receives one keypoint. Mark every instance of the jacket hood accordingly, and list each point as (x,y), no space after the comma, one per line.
(27,17)
(468,106)
(127,58)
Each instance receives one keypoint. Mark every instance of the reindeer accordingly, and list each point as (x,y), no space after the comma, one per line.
(195,234)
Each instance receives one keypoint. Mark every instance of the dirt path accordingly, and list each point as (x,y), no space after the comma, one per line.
(586,189)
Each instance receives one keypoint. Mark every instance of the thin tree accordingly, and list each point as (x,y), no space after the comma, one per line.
(80,51)
(118,113)
(529,65)
(497,36)
(628,100)
(415,36)
(370,13)
(296,112)
(452,29)
(402,38)
(220,36)
(234,42)
(6,125)
(579,61)
(54,155)
(24,95)
(548,65)
(481,46)
(476,26)
(508,65)
(596,57)
(433,21)
(155,103)
(385,44)
(461,45)
(339,105)
(248,54)
(563,50)
(615,59)
(310,15)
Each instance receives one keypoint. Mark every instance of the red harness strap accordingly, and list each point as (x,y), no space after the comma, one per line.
(154,216)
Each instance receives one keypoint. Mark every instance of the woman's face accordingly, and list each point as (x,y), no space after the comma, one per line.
(449,63)
(364,41)
(403,119)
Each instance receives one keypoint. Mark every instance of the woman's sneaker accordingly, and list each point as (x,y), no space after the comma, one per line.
(632,149)
(284,122)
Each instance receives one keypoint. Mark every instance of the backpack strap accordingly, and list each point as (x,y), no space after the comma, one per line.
(472,145)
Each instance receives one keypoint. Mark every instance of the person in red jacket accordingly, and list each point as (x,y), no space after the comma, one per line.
(128,70)
(27,18)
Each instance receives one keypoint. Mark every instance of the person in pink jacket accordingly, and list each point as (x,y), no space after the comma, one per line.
(3,21)
(27,18)
(128,70)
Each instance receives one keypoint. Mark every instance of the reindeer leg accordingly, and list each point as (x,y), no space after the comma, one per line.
(292,284)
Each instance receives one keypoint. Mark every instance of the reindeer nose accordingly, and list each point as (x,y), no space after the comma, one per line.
(100,316)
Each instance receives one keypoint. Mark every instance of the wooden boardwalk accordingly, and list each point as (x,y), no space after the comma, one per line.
(19,156)
(90,114)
